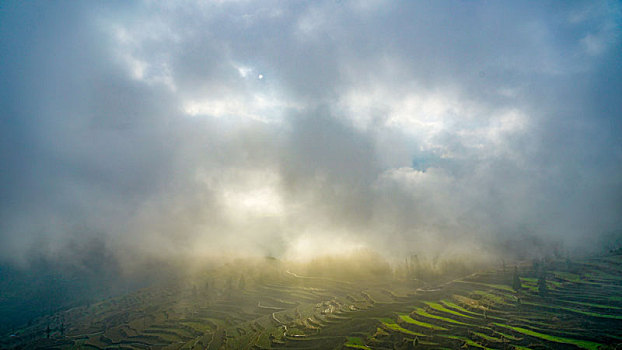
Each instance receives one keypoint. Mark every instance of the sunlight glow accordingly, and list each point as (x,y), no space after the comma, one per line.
(310,246)
(263,201)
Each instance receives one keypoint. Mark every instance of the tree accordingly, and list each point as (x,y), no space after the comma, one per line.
(516,285)
(542,288)
(205,290)
(242,283)
(535,266)
(229,285)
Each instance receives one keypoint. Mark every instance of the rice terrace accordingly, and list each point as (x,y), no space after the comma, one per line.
(554,304)
(319,174)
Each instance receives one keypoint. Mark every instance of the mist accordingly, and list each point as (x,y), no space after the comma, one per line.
(147,133)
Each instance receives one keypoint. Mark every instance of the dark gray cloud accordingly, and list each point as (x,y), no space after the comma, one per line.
(171,130)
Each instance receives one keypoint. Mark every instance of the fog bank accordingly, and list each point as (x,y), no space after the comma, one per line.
(157,132)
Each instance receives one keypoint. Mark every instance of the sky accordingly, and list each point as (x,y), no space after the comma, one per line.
(153,130)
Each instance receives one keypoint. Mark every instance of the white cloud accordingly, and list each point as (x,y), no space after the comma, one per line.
(244,71)
(259,107)
(354,120)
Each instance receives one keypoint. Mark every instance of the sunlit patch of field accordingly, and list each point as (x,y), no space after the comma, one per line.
(579,306)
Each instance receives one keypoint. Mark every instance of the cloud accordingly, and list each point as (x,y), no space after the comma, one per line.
(182,130)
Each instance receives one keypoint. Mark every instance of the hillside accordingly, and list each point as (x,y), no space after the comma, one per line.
(560,305)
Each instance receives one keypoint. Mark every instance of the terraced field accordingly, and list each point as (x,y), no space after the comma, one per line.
(560,305)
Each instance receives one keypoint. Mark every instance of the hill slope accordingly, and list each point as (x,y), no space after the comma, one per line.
(561,305)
